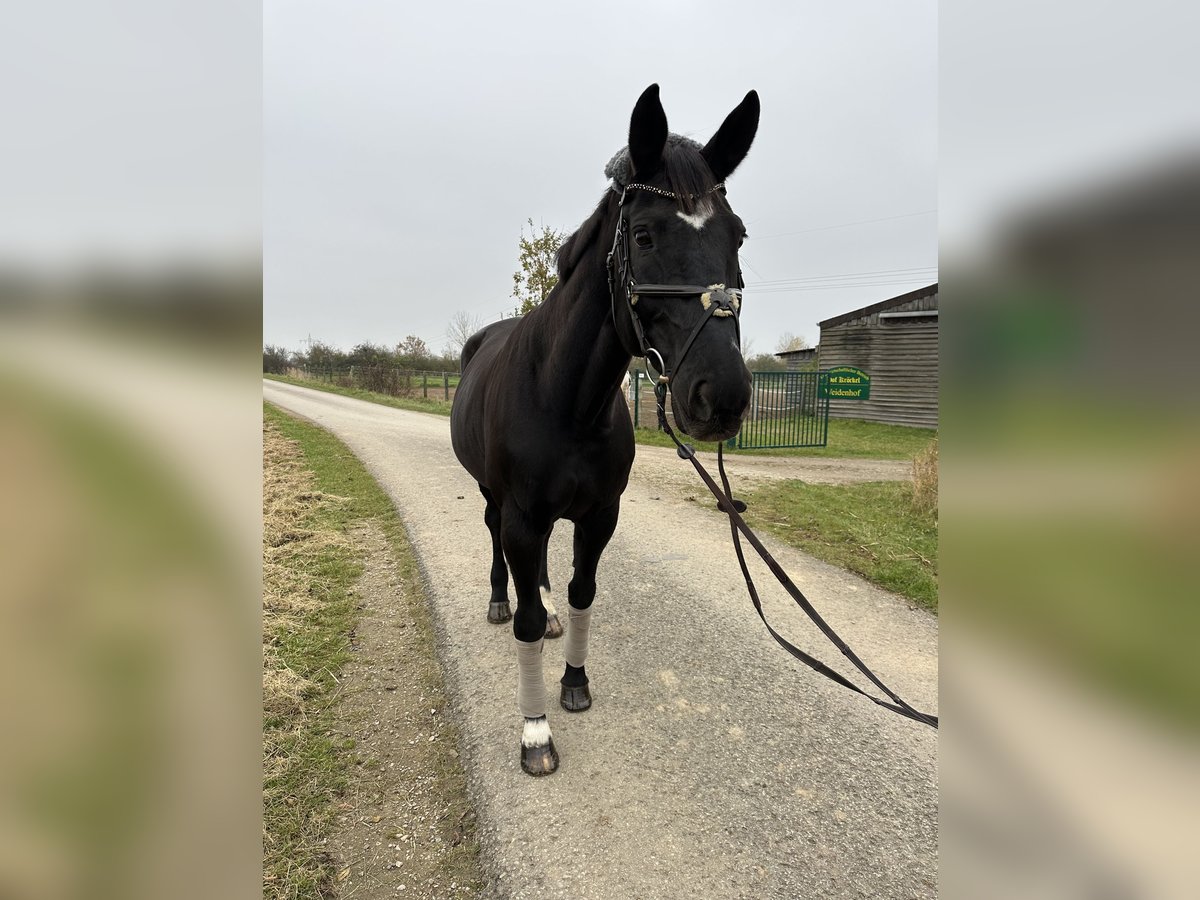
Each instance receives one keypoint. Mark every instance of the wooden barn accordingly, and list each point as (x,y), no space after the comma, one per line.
(799,360)
(896,343)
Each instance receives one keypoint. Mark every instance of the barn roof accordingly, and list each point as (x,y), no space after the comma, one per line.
(927,291)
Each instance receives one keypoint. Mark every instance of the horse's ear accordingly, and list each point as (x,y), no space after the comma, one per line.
(732,141)
(647,133)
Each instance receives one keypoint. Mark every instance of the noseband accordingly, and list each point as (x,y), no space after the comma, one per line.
(716,299)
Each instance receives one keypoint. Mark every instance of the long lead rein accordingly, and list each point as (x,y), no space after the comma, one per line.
(736,524)
(620,271)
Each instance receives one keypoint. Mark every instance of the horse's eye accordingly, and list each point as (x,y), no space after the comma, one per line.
(642,237)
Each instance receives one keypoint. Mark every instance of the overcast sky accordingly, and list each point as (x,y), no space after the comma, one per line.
(406,144)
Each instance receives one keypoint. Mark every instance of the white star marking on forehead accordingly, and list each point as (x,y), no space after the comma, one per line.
(699,218)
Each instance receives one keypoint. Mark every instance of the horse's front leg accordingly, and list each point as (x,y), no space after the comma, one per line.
(523,541)
(592,535)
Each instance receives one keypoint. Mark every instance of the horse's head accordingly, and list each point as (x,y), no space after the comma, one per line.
(674,267)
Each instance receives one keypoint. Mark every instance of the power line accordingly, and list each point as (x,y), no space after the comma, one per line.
(836,287)
(923,212)
(915,272)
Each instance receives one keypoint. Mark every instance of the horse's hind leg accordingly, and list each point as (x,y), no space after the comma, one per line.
(498,608)
(524,541)
(554,627)
(592,535)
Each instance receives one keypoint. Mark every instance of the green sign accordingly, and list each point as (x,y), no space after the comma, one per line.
(845,383)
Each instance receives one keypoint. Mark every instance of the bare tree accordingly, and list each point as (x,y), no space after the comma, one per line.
(458,332)
(412,352)
(275,359)
(788,341)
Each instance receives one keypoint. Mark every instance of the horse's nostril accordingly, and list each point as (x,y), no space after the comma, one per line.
(702,400)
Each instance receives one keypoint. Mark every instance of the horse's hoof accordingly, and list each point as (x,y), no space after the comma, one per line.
(554,627)
(575,699)
(538,761)
(499,612)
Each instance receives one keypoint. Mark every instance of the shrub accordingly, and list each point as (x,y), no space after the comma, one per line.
(386,380)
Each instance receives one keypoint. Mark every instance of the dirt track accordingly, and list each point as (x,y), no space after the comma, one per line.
(712,765)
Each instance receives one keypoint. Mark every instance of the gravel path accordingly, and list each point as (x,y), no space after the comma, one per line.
(663,466)
(711,765)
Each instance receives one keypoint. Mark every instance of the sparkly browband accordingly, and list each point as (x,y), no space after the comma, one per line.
(670,194)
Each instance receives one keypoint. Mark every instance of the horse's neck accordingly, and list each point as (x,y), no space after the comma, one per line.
(586,359)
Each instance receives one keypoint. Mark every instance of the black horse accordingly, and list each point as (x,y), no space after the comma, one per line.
(539,419)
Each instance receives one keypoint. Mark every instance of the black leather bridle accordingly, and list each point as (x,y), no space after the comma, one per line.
(717,299)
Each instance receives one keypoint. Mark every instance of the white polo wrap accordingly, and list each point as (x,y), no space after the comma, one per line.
(579,622)
(531,688)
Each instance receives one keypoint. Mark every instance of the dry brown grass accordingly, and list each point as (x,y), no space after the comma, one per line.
(925,480)
(337,570)
(294,550)
(290,548)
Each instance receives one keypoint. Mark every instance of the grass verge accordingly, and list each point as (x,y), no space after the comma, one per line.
(315,492)
(416,404)
(872,528)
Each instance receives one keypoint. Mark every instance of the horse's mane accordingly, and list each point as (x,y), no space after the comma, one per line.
(688,178)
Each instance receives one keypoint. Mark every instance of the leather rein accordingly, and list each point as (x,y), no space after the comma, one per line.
(722,302)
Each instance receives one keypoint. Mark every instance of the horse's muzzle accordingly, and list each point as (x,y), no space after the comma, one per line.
(715,429)
(709,416)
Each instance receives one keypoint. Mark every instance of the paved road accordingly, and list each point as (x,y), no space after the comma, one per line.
(711,765)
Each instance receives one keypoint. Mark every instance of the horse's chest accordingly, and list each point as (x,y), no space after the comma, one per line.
(573,479)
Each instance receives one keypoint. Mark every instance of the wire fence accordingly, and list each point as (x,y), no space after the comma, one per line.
(390,380)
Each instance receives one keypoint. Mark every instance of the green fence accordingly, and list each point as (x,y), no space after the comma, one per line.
(786,410)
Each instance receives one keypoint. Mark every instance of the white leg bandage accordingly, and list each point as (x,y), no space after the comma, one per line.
(531,688)
(579,622)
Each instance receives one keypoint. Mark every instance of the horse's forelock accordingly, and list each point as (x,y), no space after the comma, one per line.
(688,176)
(684,168)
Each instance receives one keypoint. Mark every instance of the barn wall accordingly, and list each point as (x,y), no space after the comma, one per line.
(900,355)
(801,362)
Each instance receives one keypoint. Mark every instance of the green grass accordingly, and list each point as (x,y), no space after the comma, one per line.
(307,763)
(847,438)
(868,528)
(416,404)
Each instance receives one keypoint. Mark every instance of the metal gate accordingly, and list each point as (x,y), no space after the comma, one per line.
(786,410)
